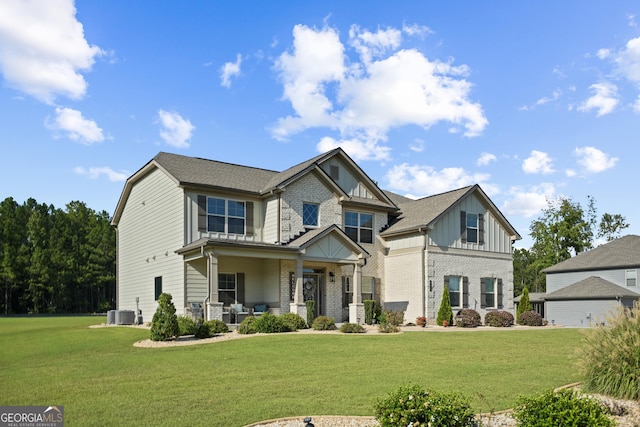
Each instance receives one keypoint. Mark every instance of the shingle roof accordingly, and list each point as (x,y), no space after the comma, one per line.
(591,288)
(422,212)
(533,297)
(211,173)
(620,253)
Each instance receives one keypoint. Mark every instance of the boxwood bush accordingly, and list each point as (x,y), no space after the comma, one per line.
(186,325)
(293,321)
(563,408)
(468,318)
(269,323)
(498,319)
(323,323)
(413,405)
(209,328)
(530,318)
(247,326)
(352,328)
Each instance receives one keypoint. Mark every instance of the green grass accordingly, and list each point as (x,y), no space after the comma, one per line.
(101,379)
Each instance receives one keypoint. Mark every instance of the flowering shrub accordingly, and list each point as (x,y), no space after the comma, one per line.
(468,318)
(413,405)
(530,318)
(499,319)
(421,321)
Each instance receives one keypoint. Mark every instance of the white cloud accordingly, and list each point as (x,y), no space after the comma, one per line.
(96,172)
(604,100)
(176,131)
(386,88)
(425,180)
(544,100)
(603,53)
(417,146)
(570,173)
(538,162)
(228,70)
(358,148)
(628,60)
(594,160)
(632,20)
(528,202)
(75,126)
(485,159)
(43,50)
(416,30)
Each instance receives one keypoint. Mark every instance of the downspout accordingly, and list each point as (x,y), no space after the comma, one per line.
(204,302)
(424,271)
(279,217)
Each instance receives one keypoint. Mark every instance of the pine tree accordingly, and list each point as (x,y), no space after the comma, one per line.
(524,304)
(164,325)
(445,313)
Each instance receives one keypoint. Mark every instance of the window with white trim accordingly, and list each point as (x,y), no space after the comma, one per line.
(488,291)
(631,278)
(455,291)
(225,216)
(359,226)
(310,214)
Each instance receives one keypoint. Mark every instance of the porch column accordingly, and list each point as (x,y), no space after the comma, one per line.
(215,307)
(356,308)
(298,306)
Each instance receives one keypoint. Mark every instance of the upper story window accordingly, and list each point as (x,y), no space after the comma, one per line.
(225,216)
(310,214)
(631,278)
(359,226)
(472,227)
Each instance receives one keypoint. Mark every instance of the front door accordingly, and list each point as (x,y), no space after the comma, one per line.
(313,289)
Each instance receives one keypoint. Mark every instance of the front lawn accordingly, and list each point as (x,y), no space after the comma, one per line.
(101,379)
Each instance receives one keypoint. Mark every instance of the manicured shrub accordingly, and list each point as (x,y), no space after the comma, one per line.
(412,405)
(311,308)
(293,321)
(530,318)
(269,323)
(610,355)
(445,313)
(394,317)
(563,408)
(323,323)
(164,325)
(352,328)
(498,319)
(247,326)
(468,318)
(421,321)
(186,325)
(524,304)
(388,328)
(369,311)
(217,327)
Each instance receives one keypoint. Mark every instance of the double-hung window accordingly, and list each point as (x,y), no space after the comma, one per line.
(631,278)
(225,216)
(310,214)
(359,226)
(472,227)
(488,289)
(227,292)
(455,288)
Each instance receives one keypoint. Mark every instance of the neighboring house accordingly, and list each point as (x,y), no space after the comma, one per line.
(213,234)
(536,301)
(582,290)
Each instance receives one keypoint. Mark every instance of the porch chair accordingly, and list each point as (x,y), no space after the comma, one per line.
(239,310)
(259,309)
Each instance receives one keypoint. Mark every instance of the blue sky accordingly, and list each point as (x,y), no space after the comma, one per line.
(531,100)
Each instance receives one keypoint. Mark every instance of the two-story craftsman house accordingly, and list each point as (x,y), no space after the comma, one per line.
(217,234)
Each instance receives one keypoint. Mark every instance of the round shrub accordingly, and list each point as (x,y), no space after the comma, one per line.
(186,325)
(468,318)
(498,319)
(530,318)
(247,326)
(323,323)
(564,408)
(269,323)
(412,405)
(352,328)
(294,321)
(217,326)
(388,328)
(610,355)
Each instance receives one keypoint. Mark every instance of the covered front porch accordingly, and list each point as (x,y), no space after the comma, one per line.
(231,280)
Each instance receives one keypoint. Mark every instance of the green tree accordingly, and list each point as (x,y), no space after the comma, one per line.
(164,325)
(611,226)
(524,304)
(445,312)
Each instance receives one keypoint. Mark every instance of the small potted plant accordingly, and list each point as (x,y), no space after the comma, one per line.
(445,323)
(421,321)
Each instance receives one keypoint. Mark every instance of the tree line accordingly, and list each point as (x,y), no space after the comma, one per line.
(55,260)
(564,229)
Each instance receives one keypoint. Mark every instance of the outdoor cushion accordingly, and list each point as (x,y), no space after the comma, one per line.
(260,308)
